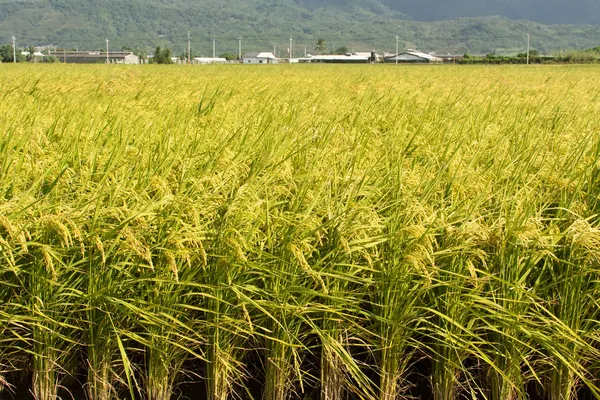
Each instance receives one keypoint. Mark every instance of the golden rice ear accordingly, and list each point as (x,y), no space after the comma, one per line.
(22,240)
(134,244)
(48,262)
(6,248)
(9,229)
(584,236)
(100,247)
(299,256)
(237,244)
(52,227)
(202,253)
(172,264)
(76,234)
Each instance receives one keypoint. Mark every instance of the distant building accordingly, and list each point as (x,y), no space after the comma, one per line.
(260,58)
(374,56)
(209,60)
(449,58)
(349,58)
(413,57)
(95,57)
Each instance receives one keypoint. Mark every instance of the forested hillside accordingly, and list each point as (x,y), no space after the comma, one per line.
(544,11)
(264,24)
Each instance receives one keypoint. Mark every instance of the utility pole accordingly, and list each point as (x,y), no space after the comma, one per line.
(304,51)
(528,40)
(239,48)
(14,39)
(397,50)
(107,61)
(275,49)
(291,52)
(189,49)
(454,55)
(214,39)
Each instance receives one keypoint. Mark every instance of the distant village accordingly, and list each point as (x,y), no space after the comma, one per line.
(342,55)
(258,58)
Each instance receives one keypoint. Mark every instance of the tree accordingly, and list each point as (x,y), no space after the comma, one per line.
(157,57)
(321,46)
(184,56)
(228,56)
(167,56)
(341,50)
(6,54)
(30,56)
(162,56)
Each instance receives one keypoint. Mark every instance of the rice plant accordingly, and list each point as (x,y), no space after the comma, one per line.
(317,231)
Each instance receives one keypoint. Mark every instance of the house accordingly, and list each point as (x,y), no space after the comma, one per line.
(260,58)
(209,60)
(413,57)
(95,57)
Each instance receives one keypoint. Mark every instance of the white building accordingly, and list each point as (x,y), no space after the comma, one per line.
(95,57)
(209,60)
(363,57)
(260,58)
(413,57)
(369,54)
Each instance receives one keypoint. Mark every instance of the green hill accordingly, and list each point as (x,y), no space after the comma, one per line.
(359,24)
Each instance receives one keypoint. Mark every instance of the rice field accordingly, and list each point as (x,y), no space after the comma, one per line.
(299,232)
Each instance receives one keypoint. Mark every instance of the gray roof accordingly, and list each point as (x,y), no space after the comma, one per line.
(113,55)
(412,56)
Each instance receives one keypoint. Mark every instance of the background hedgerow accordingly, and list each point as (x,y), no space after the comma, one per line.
(326,232)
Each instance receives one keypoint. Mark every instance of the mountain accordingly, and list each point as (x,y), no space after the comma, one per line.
(544,11)
(461,25)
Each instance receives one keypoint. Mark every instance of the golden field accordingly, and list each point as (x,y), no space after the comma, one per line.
(304,231)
